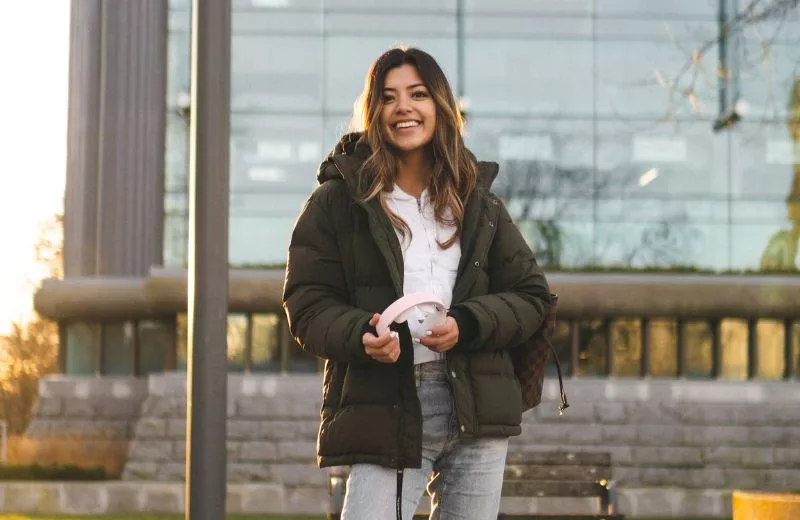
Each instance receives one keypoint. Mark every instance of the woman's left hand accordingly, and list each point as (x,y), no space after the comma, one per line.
(442,338)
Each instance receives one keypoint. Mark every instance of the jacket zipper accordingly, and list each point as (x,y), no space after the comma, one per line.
(445,357)
(427,239)
(400,461)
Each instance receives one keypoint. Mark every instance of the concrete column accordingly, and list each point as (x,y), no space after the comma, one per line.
(131,145)
(83,129)
(115,172)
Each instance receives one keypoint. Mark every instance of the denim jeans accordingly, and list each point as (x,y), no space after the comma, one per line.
(464,477)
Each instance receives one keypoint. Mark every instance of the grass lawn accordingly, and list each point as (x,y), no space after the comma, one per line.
(180,517)
(150,517)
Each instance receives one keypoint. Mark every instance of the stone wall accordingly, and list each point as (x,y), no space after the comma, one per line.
(88,407)
(678,447)
(272,428)
(689,434)
(119,498)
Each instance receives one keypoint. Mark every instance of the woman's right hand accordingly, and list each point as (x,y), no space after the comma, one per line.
(385,348)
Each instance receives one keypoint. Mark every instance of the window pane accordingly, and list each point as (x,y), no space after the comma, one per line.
(662,160)
(764,246)
(796,349)
(770,349)
(661,244)
(657,81)
(266,344)
(276,58)
(389,6)
(766,187)
(82,348)
(546,180)
(537,7)
(535,77)
(178,54)
(769,75)
(662,196)
(348,58)
(182,342)
(691,9)
(593,352)
(558,154)
(663,348)
(273,170)
(177,153)
(763,160)
(734,349)
(237,341)
(156,339)
(698,344)
(627,347)
(562,343)
(176,239)
(118,344)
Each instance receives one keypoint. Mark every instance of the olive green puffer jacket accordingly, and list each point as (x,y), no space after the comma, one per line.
(345,264)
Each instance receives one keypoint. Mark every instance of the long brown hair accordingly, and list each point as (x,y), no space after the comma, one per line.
(454,172)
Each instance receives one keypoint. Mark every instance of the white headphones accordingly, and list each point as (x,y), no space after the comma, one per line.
(398,312)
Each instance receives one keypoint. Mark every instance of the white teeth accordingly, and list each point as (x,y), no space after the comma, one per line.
(407,124)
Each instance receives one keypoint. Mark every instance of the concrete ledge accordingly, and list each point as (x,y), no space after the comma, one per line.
(589,295)
(163,292)
(80,498)
(83,498)
(92,387)
(579,390)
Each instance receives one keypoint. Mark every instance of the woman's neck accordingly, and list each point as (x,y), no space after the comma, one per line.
(412,173)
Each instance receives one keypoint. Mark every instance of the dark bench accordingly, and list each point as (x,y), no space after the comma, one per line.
(531,475)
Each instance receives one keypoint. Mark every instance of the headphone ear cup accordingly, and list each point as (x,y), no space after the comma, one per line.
(403,309)
(434,319)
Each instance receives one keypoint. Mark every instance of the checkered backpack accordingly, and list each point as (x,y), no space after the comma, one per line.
(530,360)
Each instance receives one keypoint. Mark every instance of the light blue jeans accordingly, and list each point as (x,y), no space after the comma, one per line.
(464,477)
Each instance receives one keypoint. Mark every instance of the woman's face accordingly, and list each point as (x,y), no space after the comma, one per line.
(409,112)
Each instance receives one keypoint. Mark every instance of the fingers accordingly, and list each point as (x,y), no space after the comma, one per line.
(385,349)
(441,339)
(448,327)
(374,320)
(439,343)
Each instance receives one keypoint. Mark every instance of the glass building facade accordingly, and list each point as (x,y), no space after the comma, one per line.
(601,114)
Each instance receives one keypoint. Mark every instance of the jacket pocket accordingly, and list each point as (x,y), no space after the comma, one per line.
(369,385)
(498,400)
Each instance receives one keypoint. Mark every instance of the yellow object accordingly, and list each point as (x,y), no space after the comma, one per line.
(749,505)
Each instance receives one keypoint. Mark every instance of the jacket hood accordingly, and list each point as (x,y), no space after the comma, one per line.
(347,158)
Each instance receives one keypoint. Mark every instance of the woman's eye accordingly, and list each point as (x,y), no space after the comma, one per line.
(419,94)
(388,99)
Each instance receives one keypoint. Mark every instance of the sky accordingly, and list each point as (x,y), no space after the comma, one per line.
(34,54)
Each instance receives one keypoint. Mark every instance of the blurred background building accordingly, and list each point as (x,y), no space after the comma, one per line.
(649,150)
(631,136)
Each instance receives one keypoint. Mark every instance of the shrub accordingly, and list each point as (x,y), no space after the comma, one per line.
(36,472)
(105,455)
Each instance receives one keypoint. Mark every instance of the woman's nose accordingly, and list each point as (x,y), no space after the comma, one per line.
(403,104)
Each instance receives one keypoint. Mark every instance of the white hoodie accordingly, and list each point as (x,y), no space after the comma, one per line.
(427,267)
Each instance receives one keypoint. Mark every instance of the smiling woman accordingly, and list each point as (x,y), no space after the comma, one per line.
(32,140)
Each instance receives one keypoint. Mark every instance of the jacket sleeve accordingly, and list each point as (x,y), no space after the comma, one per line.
(315,295)
(518,294)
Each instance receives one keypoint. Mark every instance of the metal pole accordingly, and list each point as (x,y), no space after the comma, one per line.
(206,412)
